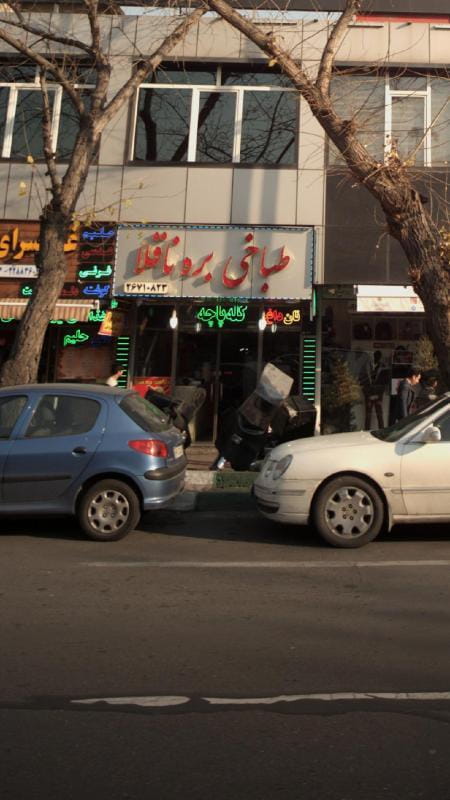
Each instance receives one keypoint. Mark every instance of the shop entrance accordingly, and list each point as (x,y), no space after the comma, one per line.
(223,362)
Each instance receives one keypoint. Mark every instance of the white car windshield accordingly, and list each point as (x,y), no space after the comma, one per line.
(395,432)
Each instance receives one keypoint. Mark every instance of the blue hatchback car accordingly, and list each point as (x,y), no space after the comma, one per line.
(102,454)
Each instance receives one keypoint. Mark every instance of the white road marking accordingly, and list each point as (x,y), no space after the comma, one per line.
(146,702)
(334,697)
(263,564)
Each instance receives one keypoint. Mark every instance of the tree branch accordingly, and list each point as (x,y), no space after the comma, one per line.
(148,65)
(332,46)
(46,65)
(45,35)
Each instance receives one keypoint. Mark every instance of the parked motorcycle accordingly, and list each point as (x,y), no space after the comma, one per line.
(269,416)
(180,408)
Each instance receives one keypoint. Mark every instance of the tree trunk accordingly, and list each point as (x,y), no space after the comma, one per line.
(28,343)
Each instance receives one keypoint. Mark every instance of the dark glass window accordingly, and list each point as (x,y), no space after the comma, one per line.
(269,128)
(162,130)
(189,74)
(440,120)
(242,76)
(69,124)
(27,131)
(10,409)
(361,97)
(216,127)
(61,415)
(144,414)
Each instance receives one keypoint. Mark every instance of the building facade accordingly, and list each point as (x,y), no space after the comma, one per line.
(238,236)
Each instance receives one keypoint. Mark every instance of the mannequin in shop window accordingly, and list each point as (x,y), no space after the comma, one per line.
(374,390)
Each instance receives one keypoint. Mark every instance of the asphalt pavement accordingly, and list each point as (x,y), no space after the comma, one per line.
(214,653)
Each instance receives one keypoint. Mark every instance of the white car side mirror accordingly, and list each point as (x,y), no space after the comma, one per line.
(430,434)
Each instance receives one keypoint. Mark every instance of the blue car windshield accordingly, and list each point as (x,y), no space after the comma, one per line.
(144,414)
(403,426)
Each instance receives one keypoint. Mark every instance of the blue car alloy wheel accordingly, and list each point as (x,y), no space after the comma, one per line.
(108,510)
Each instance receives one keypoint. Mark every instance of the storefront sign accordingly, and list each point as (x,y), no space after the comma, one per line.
(98,290)
(145,287)
(95,273)
(218,315)
(276,317)
(18,271)
(76,338)
(399,299)
(113,323)
(17,245)
(215,261)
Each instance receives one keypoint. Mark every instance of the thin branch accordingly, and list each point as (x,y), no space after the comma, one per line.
(148,65)
(45,35)
(92,14)
(334,41)
(46,65)
(48,141)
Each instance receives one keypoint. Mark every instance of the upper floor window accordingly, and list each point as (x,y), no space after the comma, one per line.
(21,111)
(409,113)
(216,114)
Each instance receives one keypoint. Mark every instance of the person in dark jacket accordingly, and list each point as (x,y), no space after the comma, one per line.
(406,393)
(428,390)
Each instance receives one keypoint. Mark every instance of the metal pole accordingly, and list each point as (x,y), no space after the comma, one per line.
(318,388)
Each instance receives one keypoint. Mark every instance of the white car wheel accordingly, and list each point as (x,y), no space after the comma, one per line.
(348,512)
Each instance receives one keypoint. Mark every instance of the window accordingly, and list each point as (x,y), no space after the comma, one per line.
(10,409)
(410,113)
(144,414)
(217,115)
(21,108)
(62,415)
(443,423)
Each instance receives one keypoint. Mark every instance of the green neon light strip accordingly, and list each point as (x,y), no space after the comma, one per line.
(309,361)
(123,357)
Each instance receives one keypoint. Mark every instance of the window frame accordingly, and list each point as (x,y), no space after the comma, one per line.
(196,89)
(429,75)
(423,93)
(33,86)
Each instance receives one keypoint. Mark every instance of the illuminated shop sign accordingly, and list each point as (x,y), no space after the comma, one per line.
(16,246)
(215,261)
(95,273)
(276,317)
(75,338)
(218,315)
(98,290)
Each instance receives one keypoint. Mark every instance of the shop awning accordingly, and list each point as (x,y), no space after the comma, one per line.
(382,299)
(64,309)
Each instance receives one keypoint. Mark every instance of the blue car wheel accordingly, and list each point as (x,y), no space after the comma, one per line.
(108,510)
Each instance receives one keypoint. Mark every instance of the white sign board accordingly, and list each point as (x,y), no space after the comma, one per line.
(215,261)
(18,271)
(145,287)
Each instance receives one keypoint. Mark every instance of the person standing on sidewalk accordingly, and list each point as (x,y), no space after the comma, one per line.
(406,393)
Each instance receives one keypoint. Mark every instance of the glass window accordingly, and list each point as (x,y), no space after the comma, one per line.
(21,108)
(69,124)
(144,414)
(63,415)
(408,127)
(216,127)
(408,83)
(443,423)
(171,73)
(395,432)
(242,76)
(363,98)
(235,124)
(162,130)
(10,409)
(269,126)
(27,132)
(440,120)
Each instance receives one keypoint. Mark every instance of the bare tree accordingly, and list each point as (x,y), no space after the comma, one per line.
(391,182)
(66,188)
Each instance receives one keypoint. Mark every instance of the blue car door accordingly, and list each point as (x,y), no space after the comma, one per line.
(12,411)
(48,457)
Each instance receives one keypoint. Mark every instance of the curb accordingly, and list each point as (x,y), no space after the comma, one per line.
(202,480)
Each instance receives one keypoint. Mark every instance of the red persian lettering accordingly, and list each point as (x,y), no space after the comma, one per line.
(232,283)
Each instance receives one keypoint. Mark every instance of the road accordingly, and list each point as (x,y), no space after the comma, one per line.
(217,655)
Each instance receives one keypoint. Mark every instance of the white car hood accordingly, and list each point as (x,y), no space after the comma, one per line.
(331,442)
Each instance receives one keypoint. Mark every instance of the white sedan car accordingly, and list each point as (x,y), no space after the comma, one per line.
(352,485)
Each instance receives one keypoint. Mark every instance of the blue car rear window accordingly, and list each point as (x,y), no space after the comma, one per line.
(144,414)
